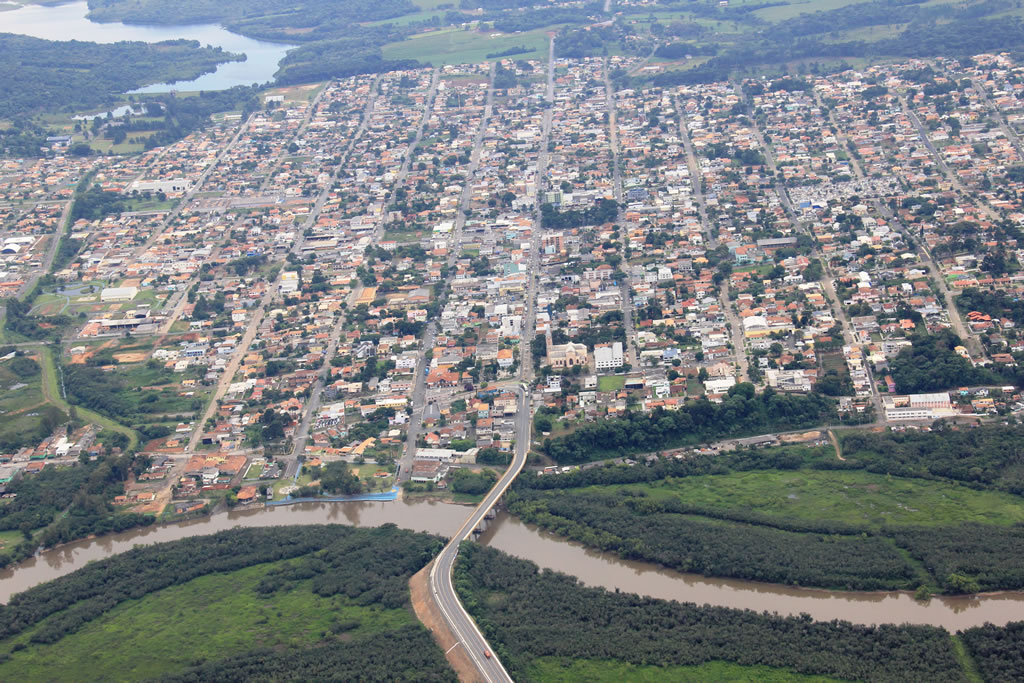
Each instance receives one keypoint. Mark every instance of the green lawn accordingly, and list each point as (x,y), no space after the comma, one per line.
(854,497)
(611,383)
(594,671)
(210,618)
(456,46)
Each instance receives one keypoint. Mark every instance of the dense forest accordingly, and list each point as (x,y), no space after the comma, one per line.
(742,413)
(407,654)
(526,614)
(45,75)
(997,304)
(931,364)
(604,211)
(997,651)
(339,58)
(983,457)
(301,21)
(956,558)
(66,503)
(662,531)
(925,30)
(368,565)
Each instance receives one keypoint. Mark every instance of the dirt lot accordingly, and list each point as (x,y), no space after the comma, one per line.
(131,356)
(427,612)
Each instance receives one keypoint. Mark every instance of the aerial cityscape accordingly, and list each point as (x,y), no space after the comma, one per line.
(635,340)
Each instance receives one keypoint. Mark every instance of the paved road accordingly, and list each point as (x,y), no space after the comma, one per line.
(1008,131)
(926,257)
(530,321)
(465,631)
(419,392)
(272,289)
(441,588)
(624,288)
(740,358)
(159,231)
(403,170)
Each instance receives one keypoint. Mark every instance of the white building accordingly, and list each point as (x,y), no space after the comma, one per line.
(608,357)
(110,294)
(289,281)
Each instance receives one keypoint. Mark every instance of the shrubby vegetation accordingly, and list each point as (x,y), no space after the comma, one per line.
(526,614)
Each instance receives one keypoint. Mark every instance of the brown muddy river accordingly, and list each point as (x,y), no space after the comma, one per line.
(512,536)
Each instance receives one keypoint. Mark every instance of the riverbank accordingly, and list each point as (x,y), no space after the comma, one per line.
(548,551)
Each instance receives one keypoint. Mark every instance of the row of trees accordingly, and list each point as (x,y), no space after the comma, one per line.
(742,413)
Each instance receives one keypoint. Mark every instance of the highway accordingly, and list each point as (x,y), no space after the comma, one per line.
(441,587)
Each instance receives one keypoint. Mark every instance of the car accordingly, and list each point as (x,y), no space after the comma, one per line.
(487,653)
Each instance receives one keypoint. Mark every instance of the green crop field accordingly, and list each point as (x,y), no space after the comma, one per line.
(555,669)
(211,617)
(855,497)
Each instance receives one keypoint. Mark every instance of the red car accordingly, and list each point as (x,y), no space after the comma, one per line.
(487,653)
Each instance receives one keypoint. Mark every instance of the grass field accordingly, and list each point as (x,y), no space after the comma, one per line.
(610,383)
(793,9)
(14,401)
(456,46)
(22,410)
(557,669)
(212,617)
(51,391)
(854,497)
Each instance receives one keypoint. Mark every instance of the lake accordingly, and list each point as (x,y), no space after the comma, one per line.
(69,22)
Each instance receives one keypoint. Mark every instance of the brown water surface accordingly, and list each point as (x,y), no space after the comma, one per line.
(549,551)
